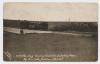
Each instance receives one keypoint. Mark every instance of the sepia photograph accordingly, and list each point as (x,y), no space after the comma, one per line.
(61,32)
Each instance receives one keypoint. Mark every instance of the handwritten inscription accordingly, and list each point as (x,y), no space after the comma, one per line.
(43,57)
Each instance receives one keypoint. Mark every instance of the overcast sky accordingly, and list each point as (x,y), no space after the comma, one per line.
(51,11)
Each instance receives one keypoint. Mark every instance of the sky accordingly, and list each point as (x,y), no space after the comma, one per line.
(76,12)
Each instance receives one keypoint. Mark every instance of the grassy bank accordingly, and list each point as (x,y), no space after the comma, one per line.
(84,48)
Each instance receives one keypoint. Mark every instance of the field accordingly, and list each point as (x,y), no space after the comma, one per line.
(77,48)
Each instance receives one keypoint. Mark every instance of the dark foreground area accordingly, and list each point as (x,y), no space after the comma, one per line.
(25,47)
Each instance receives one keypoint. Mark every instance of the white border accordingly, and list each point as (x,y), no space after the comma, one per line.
(1,32)
(50,0)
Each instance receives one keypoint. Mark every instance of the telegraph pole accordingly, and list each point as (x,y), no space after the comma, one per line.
(69,19)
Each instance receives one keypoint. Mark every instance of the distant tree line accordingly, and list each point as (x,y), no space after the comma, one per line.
(66,26)
(77,26)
